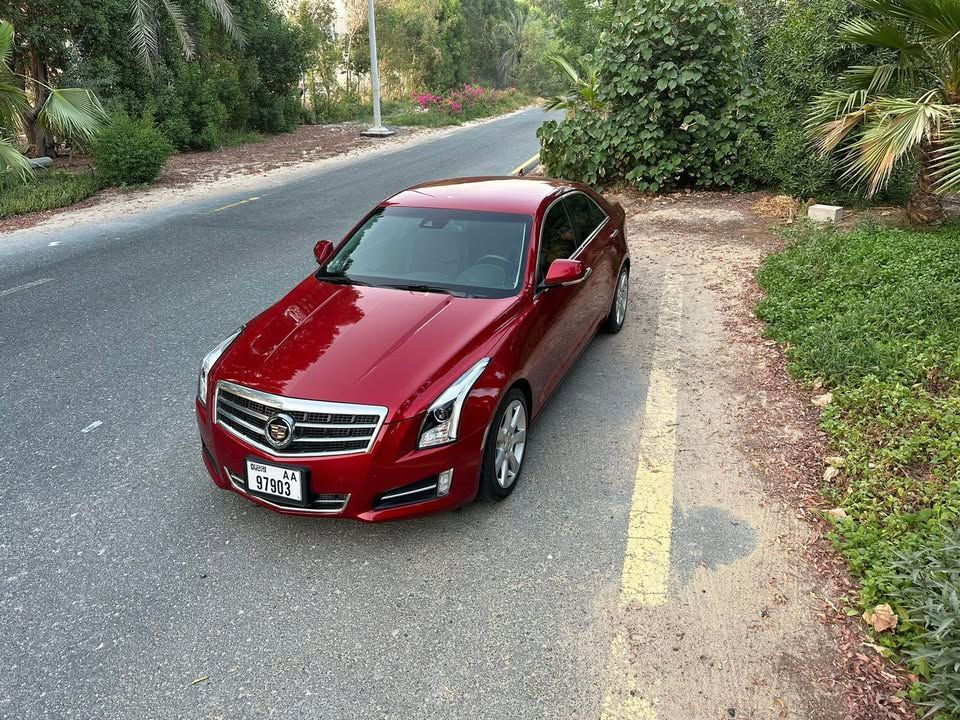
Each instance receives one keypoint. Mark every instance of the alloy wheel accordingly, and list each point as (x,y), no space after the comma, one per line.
(511,442)
(623,292)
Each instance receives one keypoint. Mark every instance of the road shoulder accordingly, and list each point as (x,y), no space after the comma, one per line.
(745,628)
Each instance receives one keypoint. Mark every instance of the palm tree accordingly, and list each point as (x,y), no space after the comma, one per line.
(905,108)
(69,112)
(584,87)
(515,30)
(145,32)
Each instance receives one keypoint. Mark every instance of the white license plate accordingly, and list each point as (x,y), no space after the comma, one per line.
(276,481)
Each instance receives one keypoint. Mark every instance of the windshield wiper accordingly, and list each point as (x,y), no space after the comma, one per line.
(341,280)
(419,287)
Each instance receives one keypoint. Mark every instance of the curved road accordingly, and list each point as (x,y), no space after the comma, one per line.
(126,576)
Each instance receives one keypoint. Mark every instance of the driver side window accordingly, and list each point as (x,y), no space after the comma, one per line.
(557,239)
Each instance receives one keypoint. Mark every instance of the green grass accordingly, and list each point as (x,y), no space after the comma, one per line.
(234,138)
(50,190)
(875,315)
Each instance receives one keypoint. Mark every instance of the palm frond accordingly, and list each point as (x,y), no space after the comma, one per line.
(898,128)
(833,116)
(73,113)
(6,43)
(566,67)
(175,13)
(879,33)
(14,167)
(559,102)
(946,161)
(875,79)
(937,20)
(143,32)
(13,106)
(223,12)
(831,134)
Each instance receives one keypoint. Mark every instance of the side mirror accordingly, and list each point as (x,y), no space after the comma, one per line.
(565,272)
(322,251)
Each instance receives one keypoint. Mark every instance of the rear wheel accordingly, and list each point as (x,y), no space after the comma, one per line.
(506,447)
(618,309)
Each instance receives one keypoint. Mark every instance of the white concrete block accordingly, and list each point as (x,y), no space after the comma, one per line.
(825,213)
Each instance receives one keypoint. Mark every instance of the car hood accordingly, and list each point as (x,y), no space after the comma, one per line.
(363,345)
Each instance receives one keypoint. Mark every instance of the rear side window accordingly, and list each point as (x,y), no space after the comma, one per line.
(557,239)
(585,214)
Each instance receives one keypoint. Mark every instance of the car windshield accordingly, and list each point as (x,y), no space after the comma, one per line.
(479,254)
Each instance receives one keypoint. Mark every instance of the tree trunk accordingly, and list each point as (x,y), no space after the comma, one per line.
(925,205)
(41,143)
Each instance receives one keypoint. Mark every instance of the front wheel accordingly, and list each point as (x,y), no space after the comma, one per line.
(505,449)
(618,309)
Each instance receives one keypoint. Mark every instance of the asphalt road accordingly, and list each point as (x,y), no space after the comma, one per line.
(127,576)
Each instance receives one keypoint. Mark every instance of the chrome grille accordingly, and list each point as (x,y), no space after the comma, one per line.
(321,428)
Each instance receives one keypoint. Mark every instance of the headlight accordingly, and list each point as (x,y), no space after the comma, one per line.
(442,422)
(209,361)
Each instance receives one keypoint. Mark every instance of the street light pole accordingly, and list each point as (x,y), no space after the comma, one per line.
(377,130)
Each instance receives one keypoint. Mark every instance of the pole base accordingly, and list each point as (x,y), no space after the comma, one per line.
(378,131)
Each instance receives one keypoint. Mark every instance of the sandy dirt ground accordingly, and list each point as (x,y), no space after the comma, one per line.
(752,626)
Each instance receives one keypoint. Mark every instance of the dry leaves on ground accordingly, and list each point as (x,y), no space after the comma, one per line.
(822,400)
(778,207)
(881,618)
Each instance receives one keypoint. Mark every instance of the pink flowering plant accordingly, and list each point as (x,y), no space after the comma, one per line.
(425,100)
(464,103)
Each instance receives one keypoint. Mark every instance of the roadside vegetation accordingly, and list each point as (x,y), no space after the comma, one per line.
(873,316)
(209,74)
(716,94)
(847,102)
(49,190)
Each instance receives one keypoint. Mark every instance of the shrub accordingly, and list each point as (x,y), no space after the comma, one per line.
(672,75)
(875,314)
(798,56)
(129,151)
(189,110)
(801,56)
(932,600)
(47,191)
(455,106)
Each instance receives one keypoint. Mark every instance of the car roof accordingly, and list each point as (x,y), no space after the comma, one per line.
(510,194)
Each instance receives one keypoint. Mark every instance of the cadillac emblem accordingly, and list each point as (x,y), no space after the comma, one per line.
(279,430)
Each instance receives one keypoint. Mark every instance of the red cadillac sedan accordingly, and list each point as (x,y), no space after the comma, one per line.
(402,376)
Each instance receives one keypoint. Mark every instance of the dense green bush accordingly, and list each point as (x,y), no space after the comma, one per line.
(672,76)
(800,56)
(47,191)
(875,315)
(129,151)
(188,109)
(932,596)
(796,56)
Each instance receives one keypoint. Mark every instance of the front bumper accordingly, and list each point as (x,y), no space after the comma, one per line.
(355,485)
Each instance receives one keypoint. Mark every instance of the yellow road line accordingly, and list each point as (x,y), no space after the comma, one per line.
(518,168)
(623,700)
(241,202)
(646,563)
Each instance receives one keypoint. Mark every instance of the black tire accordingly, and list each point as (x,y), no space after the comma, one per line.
(491,488)
(614,322)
